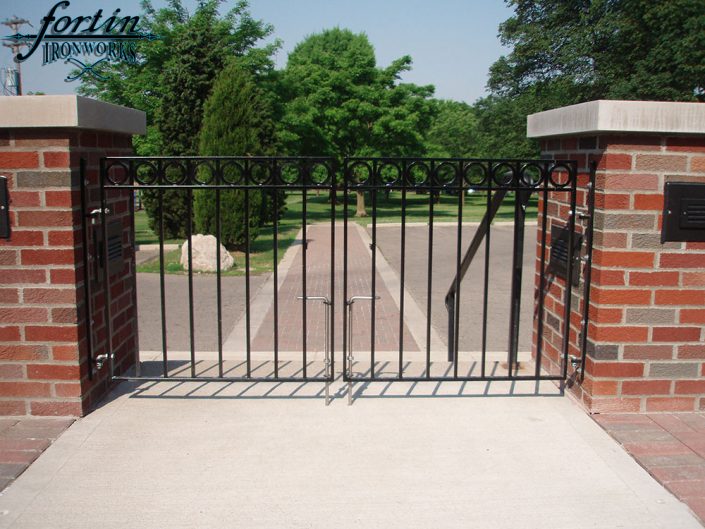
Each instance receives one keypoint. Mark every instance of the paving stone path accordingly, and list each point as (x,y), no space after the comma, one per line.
(22,440)
(318,272)
(670,446)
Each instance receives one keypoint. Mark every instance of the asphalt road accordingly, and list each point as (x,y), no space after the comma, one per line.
(177,309)
(471,290)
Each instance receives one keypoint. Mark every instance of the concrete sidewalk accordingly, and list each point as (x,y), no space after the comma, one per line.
(268,455)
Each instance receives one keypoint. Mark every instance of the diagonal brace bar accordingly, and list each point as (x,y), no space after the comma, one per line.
(480,235)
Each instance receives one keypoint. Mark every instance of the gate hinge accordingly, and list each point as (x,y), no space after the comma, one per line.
(97,211)
(100,360)
(575,361)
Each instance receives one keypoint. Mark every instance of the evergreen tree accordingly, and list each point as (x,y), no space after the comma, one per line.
(236,122)
(186,80)
(174,76)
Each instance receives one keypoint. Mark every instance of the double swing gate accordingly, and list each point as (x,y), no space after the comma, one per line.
(445,256)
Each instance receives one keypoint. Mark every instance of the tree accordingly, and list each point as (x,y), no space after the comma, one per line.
(186,81)
(501,123)
(140,85)
(339,103)
(173,78)
(591,49)
(570,51)
(236,121)
(453,130)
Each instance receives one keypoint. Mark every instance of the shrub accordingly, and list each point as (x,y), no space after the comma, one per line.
(236,122)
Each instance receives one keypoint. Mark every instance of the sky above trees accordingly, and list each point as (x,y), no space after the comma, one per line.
(452,42)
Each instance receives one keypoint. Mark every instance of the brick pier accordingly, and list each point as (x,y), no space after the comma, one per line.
(45,368)
(646,339)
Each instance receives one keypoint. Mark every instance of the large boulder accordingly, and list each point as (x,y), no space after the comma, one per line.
(204,253)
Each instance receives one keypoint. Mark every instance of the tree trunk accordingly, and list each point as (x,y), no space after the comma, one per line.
(360,209)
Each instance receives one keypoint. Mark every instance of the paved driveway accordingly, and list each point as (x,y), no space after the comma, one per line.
(177,303)
(472,287)
(388,288)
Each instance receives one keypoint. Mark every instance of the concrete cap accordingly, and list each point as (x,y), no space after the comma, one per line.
(70,111)
(595,117)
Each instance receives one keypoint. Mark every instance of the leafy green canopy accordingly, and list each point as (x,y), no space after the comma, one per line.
(145,84)
(453,130)
(337,102)
(172,81)
(236,121)
(591,49)
(570,51)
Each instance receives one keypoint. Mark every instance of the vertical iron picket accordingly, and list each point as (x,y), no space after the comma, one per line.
(219,294)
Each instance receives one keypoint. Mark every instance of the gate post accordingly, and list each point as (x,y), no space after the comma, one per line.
(45,368)
(646,332)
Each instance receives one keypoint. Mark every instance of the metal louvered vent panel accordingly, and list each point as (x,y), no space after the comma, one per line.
(683,212)
(559,253)
(693,213)
(4,210)
(115,259)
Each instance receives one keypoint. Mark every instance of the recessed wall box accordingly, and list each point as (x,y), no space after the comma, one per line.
(4,210)
(558,263)
(683,212)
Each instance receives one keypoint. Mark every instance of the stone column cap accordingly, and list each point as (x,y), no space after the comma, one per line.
(608,116)
(69,111)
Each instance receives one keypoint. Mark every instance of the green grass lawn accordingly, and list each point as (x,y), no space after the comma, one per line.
(143,233)
(318,209)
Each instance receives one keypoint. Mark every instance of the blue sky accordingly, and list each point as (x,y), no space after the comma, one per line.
(452,42)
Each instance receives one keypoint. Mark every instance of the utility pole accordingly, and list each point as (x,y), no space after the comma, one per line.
(14,24)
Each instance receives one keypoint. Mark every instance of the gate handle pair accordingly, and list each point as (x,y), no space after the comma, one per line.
(350,358)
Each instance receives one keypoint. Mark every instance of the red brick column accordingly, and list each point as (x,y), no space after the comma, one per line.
(44,359)
(646,339)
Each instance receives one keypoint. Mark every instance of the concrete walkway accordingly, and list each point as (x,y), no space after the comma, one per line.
(194,455)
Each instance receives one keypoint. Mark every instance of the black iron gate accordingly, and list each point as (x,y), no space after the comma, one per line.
(508,184)
(509,187)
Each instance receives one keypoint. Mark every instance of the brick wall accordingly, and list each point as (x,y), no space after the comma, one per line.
(646,338)
(45,368)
